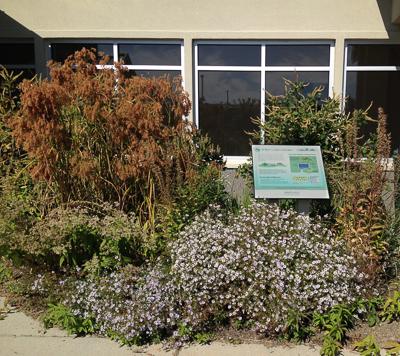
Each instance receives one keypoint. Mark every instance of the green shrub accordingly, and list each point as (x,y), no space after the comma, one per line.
(368,346)
(96,237)
(60,315)
(303,119)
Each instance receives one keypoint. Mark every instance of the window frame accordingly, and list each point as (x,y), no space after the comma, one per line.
(235,161)
(115,42)
(347,68)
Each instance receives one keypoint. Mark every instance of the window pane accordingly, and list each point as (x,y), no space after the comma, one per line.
(373,55)
(171,74)
(60,51)
(381,88)
(17,53)
(275,84)
(297,55)
(150,54)
(227,101)
(229,55)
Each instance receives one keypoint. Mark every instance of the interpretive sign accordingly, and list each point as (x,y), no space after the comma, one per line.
(289,172)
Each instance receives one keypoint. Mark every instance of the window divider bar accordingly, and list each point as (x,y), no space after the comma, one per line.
(262,111)
(196,86)
(266,68)
(115,52)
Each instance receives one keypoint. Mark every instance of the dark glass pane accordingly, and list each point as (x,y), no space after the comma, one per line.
(150,54)
(227,101)
(26,73)
(60,51)
(275,84)
(380,88)
(170,74)
(297,55)
(17,53)
(229,55)
(373,55)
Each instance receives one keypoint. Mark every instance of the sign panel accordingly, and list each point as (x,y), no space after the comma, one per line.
(289,172)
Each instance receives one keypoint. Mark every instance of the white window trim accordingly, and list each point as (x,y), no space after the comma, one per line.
(348,68)
(116,42)
(235,161)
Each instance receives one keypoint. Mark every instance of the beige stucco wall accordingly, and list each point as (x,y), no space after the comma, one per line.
(337,20)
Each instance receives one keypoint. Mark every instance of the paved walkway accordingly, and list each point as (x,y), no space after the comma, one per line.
(24,336)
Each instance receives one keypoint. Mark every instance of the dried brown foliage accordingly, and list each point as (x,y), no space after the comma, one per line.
(102,136)
(358,184)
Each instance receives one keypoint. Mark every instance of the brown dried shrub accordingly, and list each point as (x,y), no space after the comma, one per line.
(358,183)
(99,135)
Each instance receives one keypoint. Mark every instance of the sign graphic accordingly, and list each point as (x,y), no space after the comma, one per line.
(289,172)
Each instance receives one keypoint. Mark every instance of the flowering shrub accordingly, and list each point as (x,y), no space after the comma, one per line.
(255,270)
(260,266)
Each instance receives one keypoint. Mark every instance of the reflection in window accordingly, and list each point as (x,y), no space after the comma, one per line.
(297,55)
(170,74)
(228,97)
(373,55)
(229,55)
(380,88)
(275,81)
(61,51)
(227,101)
(150,54)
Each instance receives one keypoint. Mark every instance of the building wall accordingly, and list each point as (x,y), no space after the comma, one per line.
(338,21)
(190,20)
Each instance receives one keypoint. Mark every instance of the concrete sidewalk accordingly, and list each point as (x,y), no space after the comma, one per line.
(24,336)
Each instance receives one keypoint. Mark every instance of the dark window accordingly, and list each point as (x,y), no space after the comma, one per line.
(150,54)
(227,101)
(373,55)
(380,89)
(17,53)
(297,55)
(60,51)
(229,55)
(275,84)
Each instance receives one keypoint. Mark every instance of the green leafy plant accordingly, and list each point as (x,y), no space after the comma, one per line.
(98,237)
(5,272)
(368,346)
(391,308)
(298,326)
(60,315)
(300,118)
(392,348)
(368,309)
(330,347)
(335,323)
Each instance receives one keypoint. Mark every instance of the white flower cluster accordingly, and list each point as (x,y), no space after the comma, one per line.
(256,268)
(261,265)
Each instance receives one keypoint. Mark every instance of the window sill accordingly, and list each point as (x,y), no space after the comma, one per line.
(233,162)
